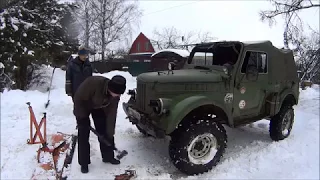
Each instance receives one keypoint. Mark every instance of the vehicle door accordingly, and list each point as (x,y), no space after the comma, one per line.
(250,84)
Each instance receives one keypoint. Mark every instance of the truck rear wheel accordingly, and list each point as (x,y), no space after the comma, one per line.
(196,147)
(281,124)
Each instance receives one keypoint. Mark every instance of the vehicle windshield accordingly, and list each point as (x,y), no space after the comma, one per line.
(215,54)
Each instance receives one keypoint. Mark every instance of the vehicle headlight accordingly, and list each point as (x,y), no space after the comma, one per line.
(160,106)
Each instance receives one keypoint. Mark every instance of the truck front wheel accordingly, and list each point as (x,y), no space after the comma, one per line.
(196,147)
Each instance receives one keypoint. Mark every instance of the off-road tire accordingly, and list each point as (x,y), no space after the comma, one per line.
(183,136)
(275,129)
(142,131)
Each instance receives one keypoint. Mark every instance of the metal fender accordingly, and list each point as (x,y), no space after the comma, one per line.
(182,108)
(282,96)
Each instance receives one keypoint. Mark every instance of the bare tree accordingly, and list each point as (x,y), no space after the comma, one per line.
(205,37)
(289,9)
(114,21)
(86,19)
(170,37)
(306,49)
(308,57)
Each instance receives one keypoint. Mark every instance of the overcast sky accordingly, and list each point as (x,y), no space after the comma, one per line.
(226,20)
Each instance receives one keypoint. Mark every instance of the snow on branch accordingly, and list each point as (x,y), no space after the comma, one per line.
(170,37)
(289,9)
(307,55)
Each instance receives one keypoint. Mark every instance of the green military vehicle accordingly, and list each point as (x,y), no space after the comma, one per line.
(222,83)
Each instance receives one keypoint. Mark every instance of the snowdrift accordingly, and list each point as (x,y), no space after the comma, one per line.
(250,152)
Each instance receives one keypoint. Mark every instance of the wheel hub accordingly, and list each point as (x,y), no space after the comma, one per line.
(286,123)
(202,148)
(199,146)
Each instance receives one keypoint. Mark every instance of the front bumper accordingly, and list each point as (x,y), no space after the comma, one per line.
(142,121)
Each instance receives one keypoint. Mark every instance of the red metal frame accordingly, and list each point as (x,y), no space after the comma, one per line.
(33,122)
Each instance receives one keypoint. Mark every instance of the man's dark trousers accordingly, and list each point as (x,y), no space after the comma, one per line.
(99,120)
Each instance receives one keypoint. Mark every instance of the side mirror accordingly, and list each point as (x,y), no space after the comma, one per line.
(252,73)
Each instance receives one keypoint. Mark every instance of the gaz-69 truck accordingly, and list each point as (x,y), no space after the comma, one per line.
(227,83)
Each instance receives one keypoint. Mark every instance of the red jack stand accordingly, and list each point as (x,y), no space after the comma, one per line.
(129,174)
(33,121)
(50,152)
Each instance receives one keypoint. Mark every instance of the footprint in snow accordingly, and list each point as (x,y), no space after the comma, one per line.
(262,125)
(130,130)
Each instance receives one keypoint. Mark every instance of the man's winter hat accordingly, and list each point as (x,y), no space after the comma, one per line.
(82,51)
(117,84)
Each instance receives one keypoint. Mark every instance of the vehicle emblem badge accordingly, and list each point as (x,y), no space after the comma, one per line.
(228,98)
(242,104)
(242,90)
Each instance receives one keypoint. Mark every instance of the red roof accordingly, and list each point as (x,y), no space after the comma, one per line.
(141,44)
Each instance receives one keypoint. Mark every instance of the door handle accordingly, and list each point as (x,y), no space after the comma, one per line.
(238,86)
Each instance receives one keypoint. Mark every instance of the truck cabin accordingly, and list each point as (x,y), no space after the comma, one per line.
(215,54)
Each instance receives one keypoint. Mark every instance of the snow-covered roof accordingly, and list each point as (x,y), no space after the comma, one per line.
(180,52)
(141,53)
(2,65)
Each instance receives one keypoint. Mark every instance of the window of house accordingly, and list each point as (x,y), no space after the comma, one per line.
(138,47)
(147,46)
(257,59)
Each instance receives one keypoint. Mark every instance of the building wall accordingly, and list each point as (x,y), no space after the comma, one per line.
(141,45)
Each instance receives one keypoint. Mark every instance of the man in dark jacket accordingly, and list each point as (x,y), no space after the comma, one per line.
(99,97)
(77,71)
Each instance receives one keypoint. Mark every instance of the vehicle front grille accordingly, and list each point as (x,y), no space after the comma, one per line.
(141,95)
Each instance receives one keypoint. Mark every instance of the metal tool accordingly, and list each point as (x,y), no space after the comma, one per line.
(49,88)
(120,155)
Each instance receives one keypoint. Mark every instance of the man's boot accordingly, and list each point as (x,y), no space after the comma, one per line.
(84,169)
(111,160)
(108,153)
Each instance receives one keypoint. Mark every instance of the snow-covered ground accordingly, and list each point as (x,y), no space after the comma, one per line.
(250,154)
